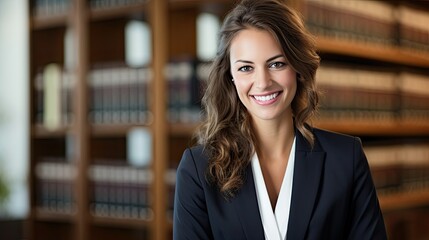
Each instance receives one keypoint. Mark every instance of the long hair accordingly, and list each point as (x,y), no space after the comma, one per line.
(226,129)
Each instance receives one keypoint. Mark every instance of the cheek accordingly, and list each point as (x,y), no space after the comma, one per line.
(292,86)
(289,80)
(242,87)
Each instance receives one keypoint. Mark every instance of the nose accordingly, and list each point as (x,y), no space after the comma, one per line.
(262,79)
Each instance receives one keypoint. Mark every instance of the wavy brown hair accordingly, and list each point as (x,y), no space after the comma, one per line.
(226,131)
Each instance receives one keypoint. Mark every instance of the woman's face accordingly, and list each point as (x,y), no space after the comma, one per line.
(265,82)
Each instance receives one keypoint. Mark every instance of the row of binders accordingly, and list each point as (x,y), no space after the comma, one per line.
(117,95)
(121,192)
(399,167)
(186,81)
(121,95)
(124,192)
(116,191)
(46,8)
(366,94)
(375,22)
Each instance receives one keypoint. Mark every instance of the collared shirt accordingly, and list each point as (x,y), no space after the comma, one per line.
(275,223)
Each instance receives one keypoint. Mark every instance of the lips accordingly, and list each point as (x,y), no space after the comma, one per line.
(266,99)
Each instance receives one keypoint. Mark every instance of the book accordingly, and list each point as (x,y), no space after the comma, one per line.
(186,82)
(413,29)
(119,94)
(353,93)
(54,181)
(399,167)
(52,96)
(120,191)
(357,21)
(49,8)
(414,97)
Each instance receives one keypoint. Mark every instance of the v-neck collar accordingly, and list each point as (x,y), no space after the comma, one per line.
(308,169)
(275,223)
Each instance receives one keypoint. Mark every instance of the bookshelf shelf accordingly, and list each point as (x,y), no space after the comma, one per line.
(372,51)
(44,215)
(42,132)
(404,200)
(354,127)
(112,130)
(120,222)
(118,11)
(45,22)
(182,129)
(181,4)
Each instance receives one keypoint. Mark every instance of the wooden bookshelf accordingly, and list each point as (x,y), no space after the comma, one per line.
(98,40)
(374,128)
(372,51)
(118,11)
(49,22)
(120,222)
(182,129)
(39,131)
(52,216)
(114,129)
(160,35)
(183,4)
(98,36)
(347,126)
(401,201)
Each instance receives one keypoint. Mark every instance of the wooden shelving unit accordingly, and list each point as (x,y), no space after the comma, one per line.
(403,201)
(98,40)
(41,132)
(373,52)
(88,139)
(48,216)
(114,130)
(49,22)
(352,127)
(120,222)
(119,11)
(371,128)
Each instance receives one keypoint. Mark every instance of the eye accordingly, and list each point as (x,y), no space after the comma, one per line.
(245,69)
(277,65)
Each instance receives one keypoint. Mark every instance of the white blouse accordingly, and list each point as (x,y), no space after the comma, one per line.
(274,223)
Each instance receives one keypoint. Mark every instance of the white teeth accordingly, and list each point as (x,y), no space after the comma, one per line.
(267,97)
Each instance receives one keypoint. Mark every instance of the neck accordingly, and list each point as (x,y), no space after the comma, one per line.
(274,139)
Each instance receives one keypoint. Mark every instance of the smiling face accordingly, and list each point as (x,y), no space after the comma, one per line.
(265,82)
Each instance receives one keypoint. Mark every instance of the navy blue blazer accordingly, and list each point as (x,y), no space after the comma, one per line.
(333,196)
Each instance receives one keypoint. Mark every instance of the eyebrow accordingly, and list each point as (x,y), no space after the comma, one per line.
(269,60)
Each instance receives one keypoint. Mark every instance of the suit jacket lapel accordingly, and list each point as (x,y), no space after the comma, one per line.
(308,171)
(306,179)
(245,203)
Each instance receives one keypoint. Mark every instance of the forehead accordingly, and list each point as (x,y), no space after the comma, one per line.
(254,43)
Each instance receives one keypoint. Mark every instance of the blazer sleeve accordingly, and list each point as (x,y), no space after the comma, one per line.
(367,220)
(190,217)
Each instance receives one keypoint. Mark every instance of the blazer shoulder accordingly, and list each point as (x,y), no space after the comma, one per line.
(329,138)
(199,154)
(322,133)
(194,157)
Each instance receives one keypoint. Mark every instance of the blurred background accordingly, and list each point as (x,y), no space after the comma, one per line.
(99,99)
(14,116)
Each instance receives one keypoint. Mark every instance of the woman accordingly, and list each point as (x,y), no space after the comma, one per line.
(260,171)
